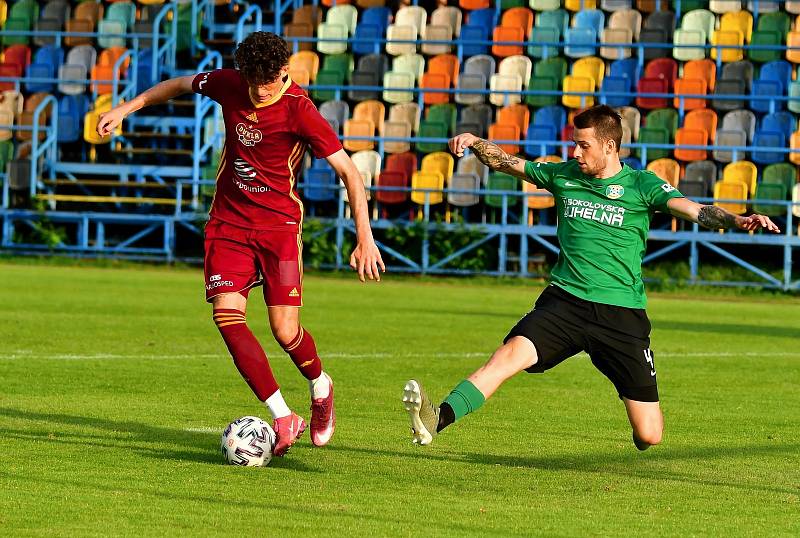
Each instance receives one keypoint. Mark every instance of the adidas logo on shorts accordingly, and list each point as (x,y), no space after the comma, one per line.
(294,293)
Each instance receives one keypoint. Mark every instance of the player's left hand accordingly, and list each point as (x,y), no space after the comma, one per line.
(366,259)
(756,221)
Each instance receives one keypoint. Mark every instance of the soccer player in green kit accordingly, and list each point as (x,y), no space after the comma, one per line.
(595,301)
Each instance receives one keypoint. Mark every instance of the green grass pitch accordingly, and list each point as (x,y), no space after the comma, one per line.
(116,386)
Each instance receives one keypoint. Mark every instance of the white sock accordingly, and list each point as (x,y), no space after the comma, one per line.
(277,407)
(319,387)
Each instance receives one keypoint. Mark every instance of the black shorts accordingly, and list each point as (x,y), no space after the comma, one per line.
(616,338)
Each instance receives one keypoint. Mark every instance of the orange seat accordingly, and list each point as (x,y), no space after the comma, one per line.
(690,86)
(446,64)
(507,33)
(435,81)
(686,136)
(474,4)
(794,143)
(499,131)
(358,128)
(703,118)
(703,69)
(667,169)
(521,17)
(372,110)
(518,114)
(793,40)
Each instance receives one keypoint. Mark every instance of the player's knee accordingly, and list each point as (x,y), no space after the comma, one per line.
(645,437)
(519,353)
(285,333)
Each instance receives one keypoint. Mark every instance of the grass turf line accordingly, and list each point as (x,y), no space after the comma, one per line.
(98,436)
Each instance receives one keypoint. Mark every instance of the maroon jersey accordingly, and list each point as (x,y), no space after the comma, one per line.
(263,153)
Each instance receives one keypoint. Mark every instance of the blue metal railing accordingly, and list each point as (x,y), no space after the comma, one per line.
(203,145)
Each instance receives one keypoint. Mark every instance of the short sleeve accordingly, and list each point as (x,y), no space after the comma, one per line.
(542,174)
(316,130)
(214,84)
(656,191)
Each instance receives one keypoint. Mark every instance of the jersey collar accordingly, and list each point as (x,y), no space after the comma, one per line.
(275,97)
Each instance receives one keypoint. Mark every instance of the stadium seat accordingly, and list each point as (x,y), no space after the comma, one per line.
(395,179)
(464,182)
(628,19)
(435,81)
(364,78)
(414,64)
(762,96)
(436,33)
(703,69)
(372,110)
(305,60)
(555,18)
(704,172)
(653,135)
(770,191)
(663,20)
(516,65)
(780,71)
(738,20)
(337,34)
(446,64)
(432,182)
(579,42)
(379,16)
(705,119)
(499,181)
(469,164)
(345,15)
(432,129)
(667,169)
(368,162)
(783,122)
(724,190)
(632,118)
(299,30)
(742,70)
(689,86)
(700,19)
(609,41)
(512,84)
(478,114)
(692,189)
(591,67)
(408,112)
(765,38)
(338,111)
(361,128)
(520,17)
(444,113)
(686,136)
(651,86)
(725,138)
(438,161)
(724,6)
(685,39)
(320,185)
(397,82)
(593,19)
(508,132)
(794,144)
(396,129)
(770,141)
(507,34)
(578,5)
(415,16)
(74,73)
(793,47)
(471,81)
(543,34)
(448,16)
(518,115)
(781,173)
(615,84)
(730,38)
(728,88)
(396,33)
(663,118)
(744,172)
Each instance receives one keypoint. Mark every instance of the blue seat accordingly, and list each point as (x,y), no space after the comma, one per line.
(144,73)
(39,71)
(557,18)
(71,110)
(779,70)
(379,16)
(371,32)
(633,162)
(553,115)
(484,17)
(319,184)
(628,67)
(541,133)
(590,18)
(783,122)
(766,88)
(473,33)
(615,84)
(580,42)
(769,140)
(45,64)
(543,34)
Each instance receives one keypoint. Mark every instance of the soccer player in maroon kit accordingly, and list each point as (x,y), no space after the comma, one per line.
(254,233)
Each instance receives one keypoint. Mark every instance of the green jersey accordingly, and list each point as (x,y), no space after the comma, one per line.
(602,229)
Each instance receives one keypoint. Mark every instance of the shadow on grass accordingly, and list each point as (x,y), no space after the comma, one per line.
(725,328)
(198,447)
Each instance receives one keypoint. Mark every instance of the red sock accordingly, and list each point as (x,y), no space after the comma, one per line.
(303,352)
(247,353)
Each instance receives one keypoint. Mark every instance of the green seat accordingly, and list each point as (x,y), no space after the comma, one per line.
(17,25)
(499,181)
(654,135)
(557,18)
(699,19)
(545,84)
(689,5)
(327,78)
(6,154)
(444,113)
(125,12)
(342,63)
(556,68)
(781,174)
(508,4)
(778,21)
(770,191)
(24,9)
(765,37)
(431,129)
(663,118)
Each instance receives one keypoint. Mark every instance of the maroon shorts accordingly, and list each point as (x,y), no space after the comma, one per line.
(237,259)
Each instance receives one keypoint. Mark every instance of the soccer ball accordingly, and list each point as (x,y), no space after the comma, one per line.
(248,441)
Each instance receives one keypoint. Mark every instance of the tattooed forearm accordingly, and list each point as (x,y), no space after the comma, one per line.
(492,156)
(715,218)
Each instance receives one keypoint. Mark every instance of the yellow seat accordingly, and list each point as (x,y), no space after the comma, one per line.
(438,162)
(304,60)
(578,5)
(794,143)
(729,37)
(574,83)
(731,190)
(738,20)
(743,172)
(591,67)
(434,181)
(793,40)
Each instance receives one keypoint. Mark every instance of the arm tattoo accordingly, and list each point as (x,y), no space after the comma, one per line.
(492,156)
(715,218)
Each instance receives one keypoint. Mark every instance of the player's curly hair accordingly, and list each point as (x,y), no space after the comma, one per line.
(261,56)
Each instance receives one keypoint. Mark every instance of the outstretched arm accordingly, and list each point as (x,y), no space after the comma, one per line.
(366,258)
(716,218)
(160,93)
(489,154)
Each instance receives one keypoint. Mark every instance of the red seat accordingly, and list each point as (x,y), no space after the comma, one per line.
(392,178)
(663,68)
(18,54)
(652,85)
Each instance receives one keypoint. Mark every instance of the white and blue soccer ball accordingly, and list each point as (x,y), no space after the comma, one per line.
(248,441)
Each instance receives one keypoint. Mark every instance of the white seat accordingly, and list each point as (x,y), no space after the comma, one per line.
(510,83)
(415,16)
(448,16)
(519,65)
(436,33)
(400,32)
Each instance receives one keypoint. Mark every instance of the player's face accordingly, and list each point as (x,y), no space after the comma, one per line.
(261,93)
(591,152)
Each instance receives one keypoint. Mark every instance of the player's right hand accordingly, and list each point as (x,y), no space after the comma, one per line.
(108,121)
(461,142)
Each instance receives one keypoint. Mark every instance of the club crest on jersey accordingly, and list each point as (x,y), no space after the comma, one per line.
(615,191)
(248,136)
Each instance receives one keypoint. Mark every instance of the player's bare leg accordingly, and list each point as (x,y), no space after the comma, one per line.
(646,421)
(509,359)
(299,344)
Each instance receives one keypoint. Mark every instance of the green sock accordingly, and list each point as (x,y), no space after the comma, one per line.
(464,399)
